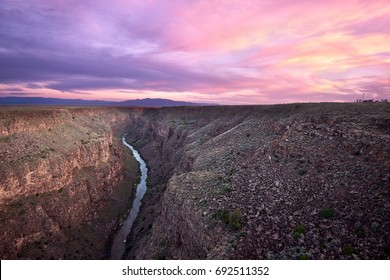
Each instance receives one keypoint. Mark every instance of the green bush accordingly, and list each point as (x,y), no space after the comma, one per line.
(298,230)
(226,188)
(360,233)
(349,250)
(232,219)
(303,257)
(235,219)
(6,139)
(326,213)
(223,215)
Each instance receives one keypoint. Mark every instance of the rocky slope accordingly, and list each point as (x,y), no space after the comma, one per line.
(63,184)
(299,181)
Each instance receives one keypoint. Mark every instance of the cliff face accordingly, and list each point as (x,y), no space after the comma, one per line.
(60,173)
(20,121)
(287,182)
(47,174)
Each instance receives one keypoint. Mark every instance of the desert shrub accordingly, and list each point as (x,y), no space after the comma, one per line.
(223,215)
(226,188)
(348,250)
(326,213)
(303,257)
(235,219)
(232,219)
(360,233)
(298,230)
(6,139)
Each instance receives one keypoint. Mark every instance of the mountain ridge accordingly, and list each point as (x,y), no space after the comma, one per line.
(47,101)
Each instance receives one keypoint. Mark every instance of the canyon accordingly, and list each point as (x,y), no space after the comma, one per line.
(294,181)
(65,181)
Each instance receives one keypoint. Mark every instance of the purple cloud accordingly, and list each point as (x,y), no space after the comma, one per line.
(233,51)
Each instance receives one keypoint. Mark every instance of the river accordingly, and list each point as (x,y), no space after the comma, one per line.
(119,243)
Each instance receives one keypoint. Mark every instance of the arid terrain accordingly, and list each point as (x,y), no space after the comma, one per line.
(295,181)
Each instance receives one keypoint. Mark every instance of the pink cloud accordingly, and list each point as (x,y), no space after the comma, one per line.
(232,51)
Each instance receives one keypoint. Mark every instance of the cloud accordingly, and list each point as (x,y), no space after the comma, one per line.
(232,51)
(19,94)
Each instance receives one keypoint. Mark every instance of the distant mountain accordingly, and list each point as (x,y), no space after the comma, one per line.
(158,102)
(50,101)
(147,102)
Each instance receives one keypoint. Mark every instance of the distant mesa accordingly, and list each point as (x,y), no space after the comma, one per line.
(42,101)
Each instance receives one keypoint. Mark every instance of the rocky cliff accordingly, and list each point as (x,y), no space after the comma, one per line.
(61,181)
(299,181)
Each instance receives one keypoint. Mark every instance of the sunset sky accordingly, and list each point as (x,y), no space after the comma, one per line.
(225,51)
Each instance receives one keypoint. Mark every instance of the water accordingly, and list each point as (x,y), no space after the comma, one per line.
(119,243)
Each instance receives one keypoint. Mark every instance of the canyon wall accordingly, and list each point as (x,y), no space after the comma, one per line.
(299,181)
(61,181)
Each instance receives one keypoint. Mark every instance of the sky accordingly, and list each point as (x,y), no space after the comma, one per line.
(225,51)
